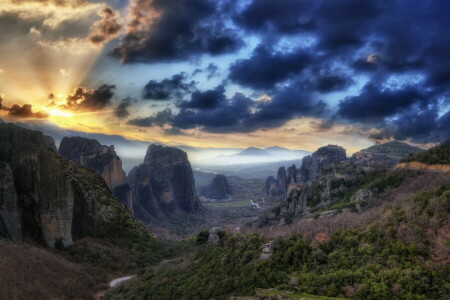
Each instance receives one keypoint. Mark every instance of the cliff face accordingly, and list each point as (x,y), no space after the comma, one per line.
(101,159)
(313,164)
(92,155)
(53,199)
(335,181)
(164,184)
(218,189)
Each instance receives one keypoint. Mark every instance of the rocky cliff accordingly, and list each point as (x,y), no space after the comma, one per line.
(333,184)
(163,185)
(47,198)
(313,164)
(218,189)
(101,159)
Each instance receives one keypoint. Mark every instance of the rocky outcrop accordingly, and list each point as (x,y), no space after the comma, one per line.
(101,159)
(218,189)
(267,250)
(215,235)
(57,200)
(334,182)
(272,188)
(286,180)
(163,185)
(282,179)
(313,164)
(292,174)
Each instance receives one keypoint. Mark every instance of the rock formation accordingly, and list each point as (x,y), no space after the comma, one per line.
(282,179)
(215,234)
(219,188)
(163,185)
(101,159)
(267,250)
(335,180)
(292,174)
(272,188)
(56,200)
(313,164)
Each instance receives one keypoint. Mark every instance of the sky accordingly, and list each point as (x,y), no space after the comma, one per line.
(224,73)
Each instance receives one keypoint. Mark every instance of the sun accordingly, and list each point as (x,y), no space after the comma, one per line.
(59,113)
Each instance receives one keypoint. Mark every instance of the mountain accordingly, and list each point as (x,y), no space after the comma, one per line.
(394,148)
(51,200)
(253,151)
(384,155)
(258,155)
(164,185)
(259,170)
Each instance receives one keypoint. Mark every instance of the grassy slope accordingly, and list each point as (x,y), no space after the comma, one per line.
(401,255)
(436,155)
(394,148)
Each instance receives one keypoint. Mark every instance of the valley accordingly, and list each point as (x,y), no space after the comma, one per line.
(332,221)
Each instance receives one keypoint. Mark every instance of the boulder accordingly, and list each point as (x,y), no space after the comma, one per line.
(267,250)
(214,235)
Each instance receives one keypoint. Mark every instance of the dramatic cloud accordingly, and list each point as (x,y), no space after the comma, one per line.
(121,110)
(266,68)
(205,100)
(107,28)
(375,104)
(420,126)
(169,88)
(90,100)
(212,111)
(25,111)
(287,16)
(165,30)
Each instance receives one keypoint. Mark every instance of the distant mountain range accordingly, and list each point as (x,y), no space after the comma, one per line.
(259,170)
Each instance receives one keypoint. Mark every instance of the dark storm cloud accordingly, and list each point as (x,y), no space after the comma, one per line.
(421,126)
(209,99)
(90,100)
(212,111)
(265,68)
(121,110)
(374,104)
(287,16)
(399,51)
(25,111)
(326,81)
(165,30)
(169,88)
(228,117)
